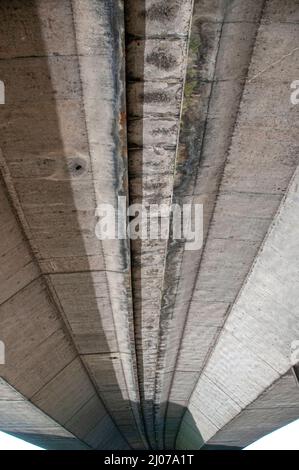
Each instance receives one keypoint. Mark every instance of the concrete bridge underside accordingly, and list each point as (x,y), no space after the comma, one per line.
(118,344)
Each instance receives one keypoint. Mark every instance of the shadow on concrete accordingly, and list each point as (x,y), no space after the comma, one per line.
(192,439)
(45,144)
(135,51)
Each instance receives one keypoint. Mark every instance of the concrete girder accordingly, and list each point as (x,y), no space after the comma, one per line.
(255,177)
(255,347)
(157,41)
(221,43)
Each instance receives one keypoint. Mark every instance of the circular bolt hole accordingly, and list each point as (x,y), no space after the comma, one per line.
(76,166)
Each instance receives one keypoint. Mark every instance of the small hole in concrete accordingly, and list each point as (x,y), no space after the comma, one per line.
(76,166)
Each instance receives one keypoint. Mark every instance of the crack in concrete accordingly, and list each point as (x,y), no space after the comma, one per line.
(273,64)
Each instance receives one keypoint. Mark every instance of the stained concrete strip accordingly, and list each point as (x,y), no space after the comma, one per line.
(157,38)
(107,146)
(214,83)
(255,347)
(65,153)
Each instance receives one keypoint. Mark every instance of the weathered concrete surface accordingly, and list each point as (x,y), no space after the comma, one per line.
(116,370)
(63,153)
(256,343)
(40,359)
(260,163)
(157,39)
(222,38)
(275,408)
(22,419)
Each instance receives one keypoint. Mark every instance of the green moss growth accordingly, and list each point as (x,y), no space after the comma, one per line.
(192,72)
(194,44)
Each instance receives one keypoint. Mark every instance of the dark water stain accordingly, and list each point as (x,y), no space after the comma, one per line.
(161,60)
(162,11)
(156,97)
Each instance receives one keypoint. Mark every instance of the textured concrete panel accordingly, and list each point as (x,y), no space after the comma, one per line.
(156,61)
(17,267)
(276,407)
(255,347)
(221,43)
(260,164)
(22,419)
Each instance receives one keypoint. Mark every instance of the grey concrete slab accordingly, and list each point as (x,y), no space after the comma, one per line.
(251,356)
(265,110)
(276,407)
(22,419)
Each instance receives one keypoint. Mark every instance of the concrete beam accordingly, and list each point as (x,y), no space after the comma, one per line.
(258,168)
(214,84)
(157,41)
(255,347)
